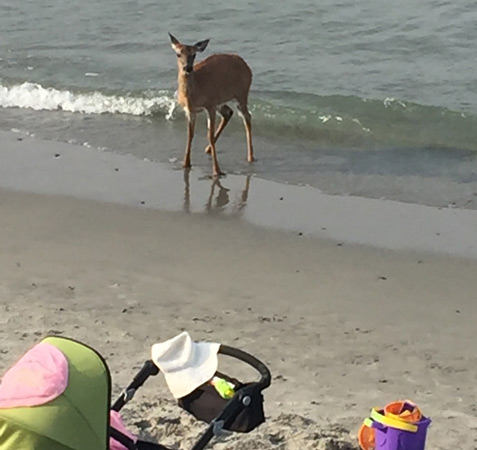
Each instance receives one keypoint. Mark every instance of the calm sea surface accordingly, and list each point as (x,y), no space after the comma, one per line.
(369,98)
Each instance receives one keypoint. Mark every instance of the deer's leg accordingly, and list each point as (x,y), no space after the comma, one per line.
(190,136)
(215,163)
(226,113)
(247,120)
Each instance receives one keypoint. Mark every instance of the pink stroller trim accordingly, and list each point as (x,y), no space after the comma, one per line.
(117,423)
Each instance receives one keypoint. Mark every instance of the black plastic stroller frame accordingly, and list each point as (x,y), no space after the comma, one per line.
(243,399)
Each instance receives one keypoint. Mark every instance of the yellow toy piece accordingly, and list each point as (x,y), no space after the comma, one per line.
(225,389)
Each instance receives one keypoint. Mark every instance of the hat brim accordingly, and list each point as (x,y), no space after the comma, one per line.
(185,381)
(186,364)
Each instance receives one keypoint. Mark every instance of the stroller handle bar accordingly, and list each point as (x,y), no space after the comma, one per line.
(150,369)
(233,407)
(262,369)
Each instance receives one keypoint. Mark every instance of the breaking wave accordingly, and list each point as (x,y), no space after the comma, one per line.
(331,120)
(37,97)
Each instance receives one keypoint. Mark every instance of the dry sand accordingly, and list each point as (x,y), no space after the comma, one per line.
(342,326)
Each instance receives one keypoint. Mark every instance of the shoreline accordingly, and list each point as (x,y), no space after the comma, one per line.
(342,326)
(52,168)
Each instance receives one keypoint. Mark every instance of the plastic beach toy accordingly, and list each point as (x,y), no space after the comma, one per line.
(404,411)
(399,426)
(225,389)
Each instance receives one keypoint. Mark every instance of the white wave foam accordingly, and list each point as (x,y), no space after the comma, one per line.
(389,101)
(328,117)
(37,97)
(23,132)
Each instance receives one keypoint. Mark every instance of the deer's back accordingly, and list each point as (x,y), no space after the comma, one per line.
(219,79)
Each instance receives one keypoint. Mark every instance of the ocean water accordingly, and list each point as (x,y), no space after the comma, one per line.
(354,98)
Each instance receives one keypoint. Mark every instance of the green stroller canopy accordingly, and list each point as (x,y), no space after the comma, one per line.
(75,418)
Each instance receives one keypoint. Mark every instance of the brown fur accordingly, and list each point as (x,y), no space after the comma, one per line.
(205,86)
(212,83)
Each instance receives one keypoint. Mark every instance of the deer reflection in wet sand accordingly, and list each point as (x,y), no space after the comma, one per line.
(218,199)
(221,201)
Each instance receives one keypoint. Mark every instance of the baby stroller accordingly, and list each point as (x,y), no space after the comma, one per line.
(58,397)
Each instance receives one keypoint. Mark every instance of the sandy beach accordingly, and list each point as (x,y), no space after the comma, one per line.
(352,303)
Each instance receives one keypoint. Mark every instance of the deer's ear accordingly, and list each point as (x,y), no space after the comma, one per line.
(174,42)
(201,45)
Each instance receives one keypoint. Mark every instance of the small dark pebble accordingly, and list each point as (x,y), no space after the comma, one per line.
(339,244)
(382,380)
(300,234)
(281,198)
(382,278)
(143,202)
(457,311)
(116,169)
(125,310)
(57,155)
(19,139)
(143,424)
(71,288)
(55,332)
(419,262)
(323,228)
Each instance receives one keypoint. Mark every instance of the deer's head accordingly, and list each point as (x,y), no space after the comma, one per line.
(186,53)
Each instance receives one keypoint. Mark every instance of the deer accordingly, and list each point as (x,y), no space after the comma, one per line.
(209,85)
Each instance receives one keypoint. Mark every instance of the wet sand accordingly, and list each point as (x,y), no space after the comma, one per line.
(352,303)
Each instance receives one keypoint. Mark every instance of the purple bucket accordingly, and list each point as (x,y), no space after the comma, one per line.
(389,438)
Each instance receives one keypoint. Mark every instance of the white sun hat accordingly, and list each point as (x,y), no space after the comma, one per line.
(186,364)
